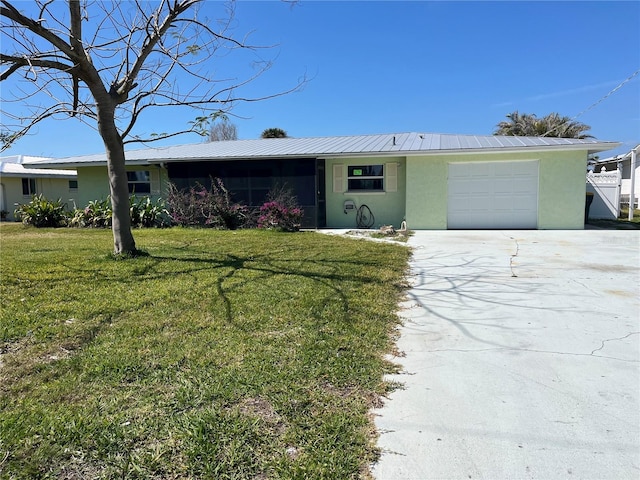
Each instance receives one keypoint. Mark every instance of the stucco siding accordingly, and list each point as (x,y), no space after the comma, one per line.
(560,196)
(427,193)
(93,183)
(562,190)
(51,188)
(388,207)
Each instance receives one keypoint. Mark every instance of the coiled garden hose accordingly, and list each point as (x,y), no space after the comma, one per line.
(364,217)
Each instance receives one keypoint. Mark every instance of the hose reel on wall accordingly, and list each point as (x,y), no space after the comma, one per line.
(364,216)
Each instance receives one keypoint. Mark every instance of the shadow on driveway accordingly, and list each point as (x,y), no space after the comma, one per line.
(521,358)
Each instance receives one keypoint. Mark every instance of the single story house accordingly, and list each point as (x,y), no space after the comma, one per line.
(623,163)
(431,181)
(21,177)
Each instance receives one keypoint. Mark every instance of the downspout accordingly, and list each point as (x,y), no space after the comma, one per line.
(632,192)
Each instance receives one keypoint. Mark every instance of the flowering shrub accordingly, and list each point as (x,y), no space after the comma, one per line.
(280,211)
(274,215)
(199,207)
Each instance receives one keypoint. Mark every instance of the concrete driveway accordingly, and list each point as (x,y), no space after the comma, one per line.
(522,358)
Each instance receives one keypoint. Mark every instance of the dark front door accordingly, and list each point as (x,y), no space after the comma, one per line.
(321,195)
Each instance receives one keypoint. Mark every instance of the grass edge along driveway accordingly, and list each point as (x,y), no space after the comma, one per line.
(246,354)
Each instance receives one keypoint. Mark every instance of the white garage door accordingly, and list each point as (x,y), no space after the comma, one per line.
(493,195)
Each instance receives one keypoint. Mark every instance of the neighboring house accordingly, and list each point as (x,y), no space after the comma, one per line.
(433,181)
(21,178)
(623,163)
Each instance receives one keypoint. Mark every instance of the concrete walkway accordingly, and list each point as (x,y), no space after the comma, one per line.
(522,358)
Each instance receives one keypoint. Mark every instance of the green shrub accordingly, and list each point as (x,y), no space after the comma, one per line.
(41,212)
(146,213)
(97,214)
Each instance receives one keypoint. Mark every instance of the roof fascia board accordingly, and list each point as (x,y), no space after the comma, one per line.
(74,165)
(68,176)
(591,148)
(157,161)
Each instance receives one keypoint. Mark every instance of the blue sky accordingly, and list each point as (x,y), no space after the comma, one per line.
(441,67)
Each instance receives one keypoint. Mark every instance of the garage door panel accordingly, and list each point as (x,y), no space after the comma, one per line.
(503,185)
(493,195)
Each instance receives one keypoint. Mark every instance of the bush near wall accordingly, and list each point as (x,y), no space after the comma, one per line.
(212,208)
(41,212)
(280,211)
(193,207)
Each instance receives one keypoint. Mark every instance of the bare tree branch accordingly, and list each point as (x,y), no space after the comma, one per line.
(17,62)
(158,31)
(10,12)
(139,56)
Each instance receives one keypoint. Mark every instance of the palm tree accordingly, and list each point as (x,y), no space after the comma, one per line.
(518,125)
(564,127)
(274,133)
(552,125)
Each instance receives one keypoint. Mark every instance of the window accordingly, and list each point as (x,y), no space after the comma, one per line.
(365,177)
(139,181)
(73,184)
(28,186)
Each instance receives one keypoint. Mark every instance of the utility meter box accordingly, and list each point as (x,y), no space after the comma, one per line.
(349,206)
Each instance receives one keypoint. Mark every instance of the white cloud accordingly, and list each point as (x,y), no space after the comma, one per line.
(560,93)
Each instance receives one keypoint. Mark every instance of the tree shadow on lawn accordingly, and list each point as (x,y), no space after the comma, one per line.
(232,273)
(328,273)
(266,268)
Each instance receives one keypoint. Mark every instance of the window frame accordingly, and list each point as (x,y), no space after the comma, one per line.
(352,177)
(131,183)
(31,186)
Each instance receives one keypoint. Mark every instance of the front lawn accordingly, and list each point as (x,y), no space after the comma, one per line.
(247,354)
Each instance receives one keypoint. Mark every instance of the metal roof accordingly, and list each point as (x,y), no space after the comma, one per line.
(619,158)
(401,144)
(14,166)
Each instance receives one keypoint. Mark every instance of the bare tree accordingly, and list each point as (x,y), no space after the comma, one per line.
(106,64)
(224,130)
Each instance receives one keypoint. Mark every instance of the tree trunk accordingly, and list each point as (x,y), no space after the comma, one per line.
(123,241)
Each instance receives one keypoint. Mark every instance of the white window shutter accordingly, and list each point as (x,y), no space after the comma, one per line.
(154,176)
(391,177)
(338,179)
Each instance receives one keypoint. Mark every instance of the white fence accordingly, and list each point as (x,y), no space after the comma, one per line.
(605,187)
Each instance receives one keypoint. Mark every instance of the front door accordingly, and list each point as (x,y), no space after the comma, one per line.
(321,194)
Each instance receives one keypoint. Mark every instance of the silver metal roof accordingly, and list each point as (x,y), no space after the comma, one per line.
(14,166)
(401,144)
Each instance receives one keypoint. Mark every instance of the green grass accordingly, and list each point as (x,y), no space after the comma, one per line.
(225,355)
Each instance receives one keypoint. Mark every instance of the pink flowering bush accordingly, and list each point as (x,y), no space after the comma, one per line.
(199,207)
(280,212)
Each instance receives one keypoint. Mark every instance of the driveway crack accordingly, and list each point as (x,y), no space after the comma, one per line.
(612,340)
(513,256)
